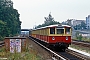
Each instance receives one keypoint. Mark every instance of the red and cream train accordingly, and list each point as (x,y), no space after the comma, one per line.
(54,35)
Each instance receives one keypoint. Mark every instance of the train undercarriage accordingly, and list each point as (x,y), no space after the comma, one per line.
(58,46)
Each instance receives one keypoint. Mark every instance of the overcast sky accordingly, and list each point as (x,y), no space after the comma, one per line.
(32,12)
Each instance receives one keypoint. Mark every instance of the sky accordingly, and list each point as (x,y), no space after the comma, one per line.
(32,12)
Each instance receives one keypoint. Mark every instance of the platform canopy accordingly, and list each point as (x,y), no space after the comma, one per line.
(25,29)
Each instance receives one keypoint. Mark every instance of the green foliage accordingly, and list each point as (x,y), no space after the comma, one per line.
(28,55)
(78,36)
(2,49)
(48,21)
(51,23)
(23,56)
(10,24)
(2,28)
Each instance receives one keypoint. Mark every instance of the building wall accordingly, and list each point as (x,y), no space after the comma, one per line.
(74,22)
(88,22)
(77,22)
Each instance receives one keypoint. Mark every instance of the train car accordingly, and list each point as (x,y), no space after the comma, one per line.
(54,35)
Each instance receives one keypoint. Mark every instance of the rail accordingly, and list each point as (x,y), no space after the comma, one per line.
(2,43)
(55,55)
(85,44)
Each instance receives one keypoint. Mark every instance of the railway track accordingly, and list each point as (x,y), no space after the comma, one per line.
(77,54)
(68,55)
(2,43)
(82,43)
(62,55)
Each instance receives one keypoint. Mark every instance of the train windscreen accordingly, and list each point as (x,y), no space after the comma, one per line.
(67,30)
(60,30)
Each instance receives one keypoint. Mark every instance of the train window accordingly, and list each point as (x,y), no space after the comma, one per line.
(67,30)
(60,31)
(52,30)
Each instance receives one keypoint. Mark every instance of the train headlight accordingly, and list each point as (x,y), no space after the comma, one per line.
(53,38)
(66,38)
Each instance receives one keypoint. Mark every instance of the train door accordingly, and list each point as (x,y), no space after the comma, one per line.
(52,35)
(59,34)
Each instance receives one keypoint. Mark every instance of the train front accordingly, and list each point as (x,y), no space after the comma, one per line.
(60,36)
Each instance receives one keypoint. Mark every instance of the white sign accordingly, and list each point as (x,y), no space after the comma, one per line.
(12,45)
(18,45)
(15,45)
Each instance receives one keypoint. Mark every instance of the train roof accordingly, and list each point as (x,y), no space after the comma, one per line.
(57,25)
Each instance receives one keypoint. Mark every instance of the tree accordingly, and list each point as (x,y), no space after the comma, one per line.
(3,30)
(48,21)
(9,19)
